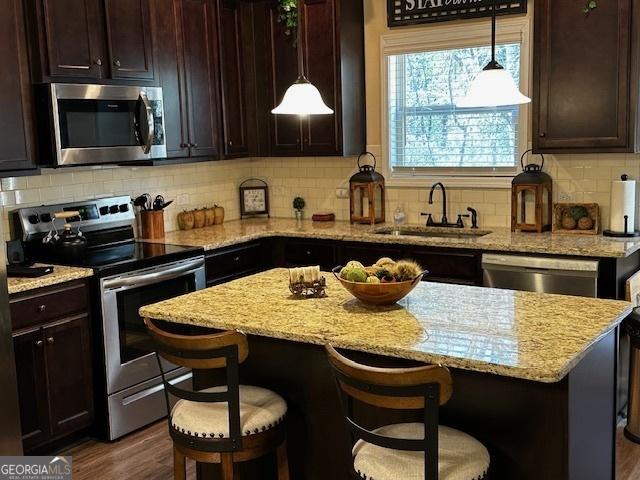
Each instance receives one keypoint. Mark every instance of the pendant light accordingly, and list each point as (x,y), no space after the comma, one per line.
(493,86)
(302,98)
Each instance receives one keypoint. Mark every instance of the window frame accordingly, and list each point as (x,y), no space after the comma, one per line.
(443,37)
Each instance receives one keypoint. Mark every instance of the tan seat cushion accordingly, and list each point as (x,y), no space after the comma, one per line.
(260,410)
(461,457)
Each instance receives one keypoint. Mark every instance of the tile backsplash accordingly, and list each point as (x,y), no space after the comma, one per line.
(577,178)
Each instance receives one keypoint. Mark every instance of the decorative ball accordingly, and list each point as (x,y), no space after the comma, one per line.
(577,212)
(585,223)
(568,222)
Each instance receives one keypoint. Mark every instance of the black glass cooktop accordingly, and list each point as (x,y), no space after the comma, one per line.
(130,256)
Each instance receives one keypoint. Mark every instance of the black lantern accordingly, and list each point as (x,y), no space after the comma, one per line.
(531,198)
(367,194)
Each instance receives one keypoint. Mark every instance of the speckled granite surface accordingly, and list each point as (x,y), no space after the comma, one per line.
(539,337)
(500,239)
(60,275)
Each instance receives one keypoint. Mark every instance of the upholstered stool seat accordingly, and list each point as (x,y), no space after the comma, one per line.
(260,410)
(460,456)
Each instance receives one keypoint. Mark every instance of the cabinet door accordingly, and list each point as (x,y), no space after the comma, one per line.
(17,145)
(28,347)
(200,61)
(233,79)
(582,76)
(75,38)
(167,44)
(321,57)
(285,135)
(68,364)
(129,37)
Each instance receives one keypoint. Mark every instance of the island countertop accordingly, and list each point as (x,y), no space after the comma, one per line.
(532,336)
(497,239)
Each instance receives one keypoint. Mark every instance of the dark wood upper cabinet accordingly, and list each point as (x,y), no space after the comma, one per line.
(234,33)
(333,52)
(17,148)
(201,73)
(74,38)
(585,77)
(129,38)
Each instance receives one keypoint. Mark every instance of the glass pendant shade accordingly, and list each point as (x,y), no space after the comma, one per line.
(493,87)
(302,98)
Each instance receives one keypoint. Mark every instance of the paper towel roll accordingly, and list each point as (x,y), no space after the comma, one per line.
(623,202)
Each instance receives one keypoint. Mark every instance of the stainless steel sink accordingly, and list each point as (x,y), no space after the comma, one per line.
(431,232)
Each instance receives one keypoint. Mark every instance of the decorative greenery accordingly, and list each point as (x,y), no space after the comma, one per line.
(288,15)
(298,203)
(590,5)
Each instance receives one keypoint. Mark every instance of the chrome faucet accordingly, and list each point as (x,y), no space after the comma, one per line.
(444,220)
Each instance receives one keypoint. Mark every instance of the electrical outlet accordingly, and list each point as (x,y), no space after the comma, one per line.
(342,192)
(565,197)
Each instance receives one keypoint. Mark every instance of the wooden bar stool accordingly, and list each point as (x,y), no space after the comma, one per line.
(399,451)
(226,424)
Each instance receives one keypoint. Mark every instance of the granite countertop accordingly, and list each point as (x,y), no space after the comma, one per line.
(60,275)
(498,239)
(533,336)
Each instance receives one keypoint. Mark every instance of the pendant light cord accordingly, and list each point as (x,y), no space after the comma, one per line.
(493,31)
(299,41)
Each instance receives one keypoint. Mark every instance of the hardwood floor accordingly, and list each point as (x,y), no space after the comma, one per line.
(147,455)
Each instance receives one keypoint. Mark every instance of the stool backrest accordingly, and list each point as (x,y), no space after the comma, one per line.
(425,388)
(204,352)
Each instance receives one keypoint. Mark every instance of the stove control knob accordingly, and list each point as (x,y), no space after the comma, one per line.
(34,219)
(45,217)
(104,210)
(124,208)
(113,209)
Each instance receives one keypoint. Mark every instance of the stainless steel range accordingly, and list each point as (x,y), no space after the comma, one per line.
(127,275)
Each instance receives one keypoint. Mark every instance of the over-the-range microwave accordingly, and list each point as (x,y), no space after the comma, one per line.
(100,124)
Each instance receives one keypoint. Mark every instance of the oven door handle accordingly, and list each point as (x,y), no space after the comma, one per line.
(151,278)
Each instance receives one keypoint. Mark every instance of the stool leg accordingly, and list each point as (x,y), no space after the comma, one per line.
(283,461)
(227,466)
(179,465)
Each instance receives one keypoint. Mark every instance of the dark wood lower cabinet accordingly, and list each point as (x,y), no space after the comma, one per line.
(53,365)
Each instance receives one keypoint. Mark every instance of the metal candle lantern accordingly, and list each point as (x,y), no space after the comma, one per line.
(367,193)
(531,198)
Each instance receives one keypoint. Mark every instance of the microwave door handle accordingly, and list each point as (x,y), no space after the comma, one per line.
(148,112)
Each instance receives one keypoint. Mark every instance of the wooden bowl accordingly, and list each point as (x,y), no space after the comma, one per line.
(378,293)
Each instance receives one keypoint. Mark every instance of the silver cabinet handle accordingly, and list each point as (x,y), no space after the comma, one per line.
(39,343)
(42,308)
(98,62)
(116,63)
(51,340)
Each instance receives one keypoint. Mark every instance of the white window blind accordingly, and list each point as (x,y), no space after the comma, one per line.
(427,131)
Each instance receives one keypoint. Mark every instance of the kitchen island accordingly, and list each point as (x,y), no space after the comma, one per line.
(529,369)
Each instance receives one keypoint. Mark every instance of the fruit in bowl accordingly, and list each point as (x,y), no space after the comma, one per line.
(383,283)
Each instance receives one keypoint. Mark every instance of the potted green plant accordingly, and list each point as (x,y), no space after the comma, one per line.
(298,207)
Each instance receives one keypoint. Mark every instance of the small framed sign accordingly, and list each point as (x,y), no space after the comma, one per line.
(254,198)
(413,12)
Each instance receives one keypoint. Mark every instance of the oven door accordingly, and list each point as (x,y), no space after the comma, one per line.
(107,124)
(129,352)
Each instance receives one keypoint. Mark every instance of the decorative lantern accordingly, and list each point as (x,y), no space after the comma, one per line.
(367,194)
(531,198)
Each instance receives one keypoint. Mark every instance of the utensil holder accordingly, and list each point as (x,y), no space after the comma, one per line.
(152,224)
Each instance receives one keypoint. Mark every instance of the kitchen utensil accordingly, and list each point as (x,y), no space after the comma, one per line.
(69,245)
(143,201)
(378,293)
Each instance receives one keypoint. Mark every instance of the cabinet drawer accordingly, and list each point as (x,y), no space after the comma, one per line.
(448,266)
(43,305)
(300,253)
(233,262)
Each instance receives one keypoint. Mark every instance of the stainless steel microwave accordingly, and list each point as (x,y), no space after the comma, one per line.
(101,124)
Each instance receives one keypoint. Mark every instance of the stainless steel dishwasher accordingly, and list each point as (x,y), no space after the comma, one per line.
(566,276)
